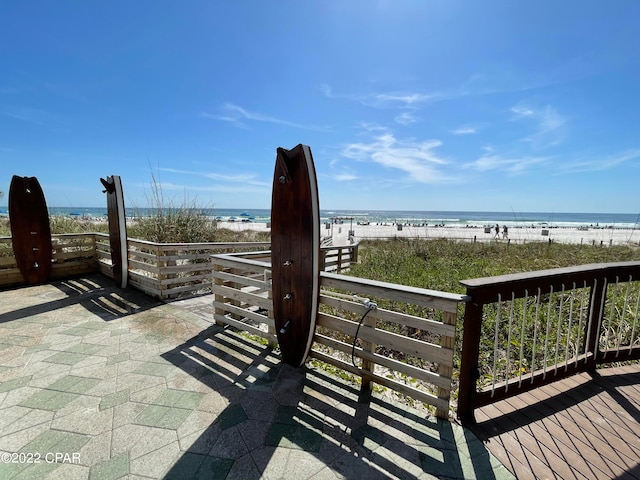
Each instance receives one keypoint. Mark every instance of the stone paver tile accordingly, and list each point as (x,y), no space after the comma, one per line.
(13,442)
(114,399)
(66,358)
(156,369)
(15,383)
(69,471)
(111,469)
(139,440)
(162,417)
(49,400)
(37,348)
(125,413)
(73,384)
(136,382)
(293,437)
(56,441)
(155,463)
(26,471)
(96,450)
(244,468)
(86,421)
(86,348)
(229,445)
(232,415)
(179,398)
(16,418)
(120,357)
(75,331)
(197,422)
(81,402)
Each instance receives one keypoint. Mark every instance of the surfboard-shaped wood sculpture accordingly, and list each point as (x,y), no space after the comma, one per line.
(295,252)
(30,230)
(117,229)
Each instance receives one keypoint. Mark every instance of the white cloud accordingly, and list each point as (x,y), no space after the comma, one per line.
(464,131)
(407,98)
(244,178)
(405,118)
(417,159)
(599,164)
(381,99)
(549,125)
(512,165)
(237,115)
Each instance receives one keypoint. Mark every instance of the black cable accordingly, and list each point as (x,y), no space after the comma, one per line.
(372,306)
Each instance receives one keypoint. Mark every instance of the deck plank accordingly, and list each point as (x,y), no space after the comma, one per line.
(582,427)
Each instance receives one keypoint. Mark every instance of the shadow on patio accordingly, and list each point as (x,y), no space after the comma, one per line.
(129,386)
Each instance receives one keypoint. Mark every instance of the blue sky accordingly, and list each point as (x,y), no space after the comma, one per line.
(416,105)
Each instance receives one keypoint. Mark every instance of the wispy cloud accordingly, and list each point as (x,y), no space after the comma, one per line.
(550,125)
(238,116)
(417,159)
(599,164)
(464,131)
(244,178)
(382,99)
(405,118)
(513,165)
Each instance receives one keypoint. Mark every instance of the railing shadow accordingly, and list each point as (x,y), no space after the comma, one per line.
(273,413)
(547,430)
(94,292)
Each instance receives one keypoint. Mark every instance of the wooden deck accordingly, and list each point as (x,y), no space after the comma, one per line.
(583,427)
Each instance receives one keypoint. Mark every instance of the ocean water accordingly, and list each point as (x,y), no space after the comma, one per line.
(450,218)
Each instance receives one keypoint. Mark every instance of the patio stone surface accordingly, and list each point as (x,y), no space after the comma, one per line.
(102,383)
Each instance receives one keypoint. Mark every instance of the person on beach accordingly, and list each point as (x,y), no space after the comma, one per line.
(497,231)
(504,232)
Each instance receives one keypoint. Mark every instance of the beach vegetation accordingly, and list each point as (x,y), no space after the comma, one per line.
(442,264)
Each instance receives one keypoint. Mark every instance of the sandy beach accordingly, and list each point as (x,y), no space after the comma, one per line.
(587,236)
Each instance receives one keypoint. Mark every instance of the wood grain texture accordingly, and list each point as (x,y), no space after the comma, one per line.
(117,229)
(295,252)
(30,230)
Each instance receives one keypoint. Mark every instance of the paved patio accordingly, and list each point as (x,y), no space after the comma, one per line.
(103,383)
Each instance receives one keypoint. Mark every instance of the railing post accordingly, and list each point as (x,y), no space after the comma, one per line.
(370,347)
(598,293)
(354,253)
(218,298)
(448,318)
(469,373)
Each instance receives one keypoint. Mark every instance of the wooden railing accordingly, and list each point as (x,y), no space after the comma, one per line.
(410,353)
(524,330)
(162,270)
(168,270)
(73,254)
(338,258)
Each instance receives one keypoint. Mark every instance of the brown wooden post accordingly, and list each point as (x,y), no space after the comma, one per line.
(270,329)
(448,318)
(596,308)
(219,298)
(469,373)
(368,365)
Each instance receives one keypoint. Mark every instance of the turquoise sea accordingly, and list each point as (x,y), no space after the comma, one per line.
(451,218)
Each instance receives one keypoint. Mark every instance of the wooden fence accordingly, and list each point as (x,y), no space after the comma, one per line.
(524,330)
(73,254)
(162,270)
(411,354)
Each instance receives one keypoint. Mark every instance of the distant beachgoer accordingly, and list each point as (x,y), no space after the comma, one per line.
(505,233)
(497,231)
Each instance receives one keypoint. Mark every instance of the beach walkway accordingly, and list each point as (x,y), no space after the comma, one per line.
(103,383)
